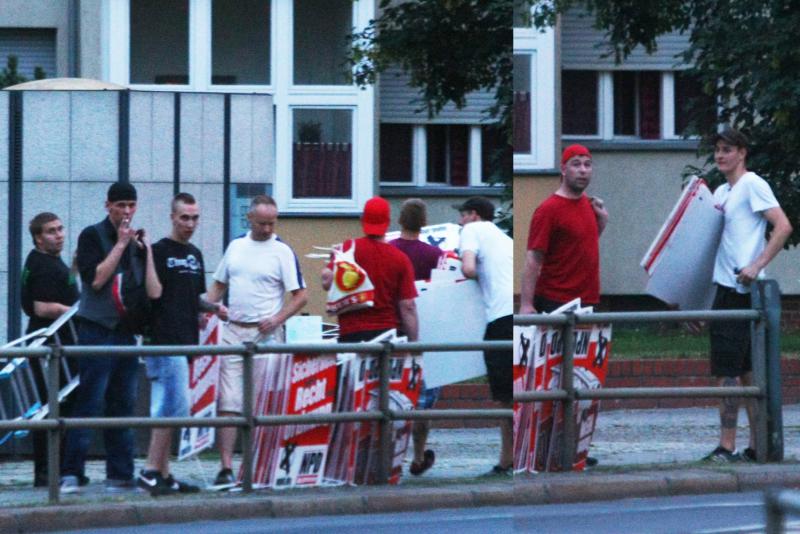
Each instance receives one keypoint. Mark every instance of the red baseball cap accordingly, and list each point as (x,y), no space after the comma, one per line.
(574,150)
(376,217)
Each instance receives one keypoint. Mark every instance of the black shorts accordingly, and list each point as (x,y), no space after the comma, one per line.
(499,362)
(730,340)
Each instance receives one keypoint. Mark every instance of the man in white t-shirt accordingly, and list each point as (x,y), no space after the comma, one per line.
(257,271)
(748,205)
(487,255)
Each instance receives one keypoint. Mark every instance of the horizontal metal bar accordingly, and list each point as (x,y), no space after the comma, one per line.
(148,422)
(531,396)
(641,393)
(685,392)
(640,317)
(32,352)
(315,419)
(451,414)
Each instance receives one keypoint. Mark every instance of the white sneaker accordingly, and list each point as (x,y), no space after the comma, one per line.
(69,484)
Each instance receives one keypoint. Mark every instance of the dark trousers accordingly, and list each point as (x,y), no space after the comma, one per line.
(108,388)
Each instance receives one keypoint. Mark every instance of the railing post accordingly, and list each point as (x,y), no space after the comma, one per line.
(758,361)
(774,512)
(770,294)
(247,411)
(568,443)
(385,451)
(54,434)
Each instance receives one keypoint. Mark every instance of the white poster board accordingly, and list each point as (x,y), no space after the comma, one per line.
(680,261)
(451,312)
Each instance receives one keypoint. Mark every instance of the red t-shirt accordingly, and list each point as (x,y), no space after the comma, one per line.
(565,231)
(393,277)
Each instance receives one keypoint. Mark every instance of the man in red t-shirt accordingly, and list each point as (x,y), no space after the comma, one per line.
(563,260)
(391,273)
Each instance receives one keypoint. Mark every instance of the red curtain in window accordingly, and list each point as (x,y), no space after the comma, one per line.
(459,155)
(322,170)
(522,122)
(650,105)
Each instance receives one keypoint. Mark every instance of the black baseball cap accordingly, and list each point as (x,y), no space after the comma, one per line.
(121,191)
(480,205)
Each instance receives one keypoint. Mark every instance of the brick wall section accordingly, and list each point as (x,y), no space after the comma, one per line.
(628,373)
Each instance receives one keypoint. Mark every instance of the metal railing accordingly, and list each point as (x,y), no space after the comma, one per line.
(55,425)
(778,504)
(765,357)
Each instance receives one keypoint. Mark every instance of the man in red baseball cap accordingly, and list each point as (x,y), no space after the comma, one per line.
(562,262)
(391,274)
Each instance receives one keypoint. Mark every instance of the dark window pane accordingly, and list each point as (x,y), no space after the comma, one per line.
(396,142)
(322,153)
(321,28)
(240,42)
(159,41)
(579,102)
(624,103)
(650,105)
(448,154)
(692,106)
(522,104)
(496,156)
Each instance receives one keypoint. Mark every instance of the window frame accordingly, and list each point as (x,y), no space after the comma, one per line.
(286,95)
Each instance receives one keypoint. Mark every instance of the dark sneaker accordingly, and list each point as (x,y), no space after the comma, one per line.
(591,461)
(152,482)
(721,455)
(749,455)
(225,478)
(428,458)
(179,486)
(499,470)
(69,484)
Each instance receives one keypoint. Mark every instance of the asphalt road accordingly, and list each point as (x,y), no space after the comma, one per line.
(700,514)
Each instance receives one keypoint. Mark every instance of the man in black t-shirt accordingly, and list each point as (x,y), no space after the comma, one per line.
(48,290)
(180,269)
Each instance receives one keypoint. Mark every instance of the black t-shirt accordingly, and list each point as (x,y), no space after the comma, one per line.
(175,314)
(46,278)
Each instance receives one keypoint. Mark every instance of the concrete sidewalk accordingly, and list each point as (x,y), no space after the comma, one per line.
(641,453)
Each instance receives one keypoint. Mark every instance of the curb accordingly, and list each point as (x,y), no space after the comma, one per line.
(551,488)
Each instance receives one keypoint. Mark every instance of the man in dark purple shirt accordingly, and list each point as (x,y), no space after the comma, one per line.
(424,258)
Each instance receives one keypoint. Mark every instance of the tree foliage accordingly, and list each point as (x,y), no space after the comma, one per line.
(10,76)
(449,48)
(747,57)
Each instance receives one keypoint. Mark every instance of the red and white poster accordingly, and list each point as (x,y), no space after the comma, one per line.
(538,426)
(203,380)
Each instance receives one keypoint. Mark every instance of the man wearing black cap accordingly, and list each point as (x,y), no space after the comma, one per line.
(487,255)
(108,252)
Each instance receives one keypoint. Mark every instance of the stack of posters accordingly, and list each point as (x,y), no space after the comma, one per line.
(680,261)
(538,426)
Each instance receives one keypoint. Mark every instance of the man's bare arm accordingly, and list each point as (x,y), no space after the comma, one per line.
(49,310)
(408,318)
(781,230)
(530,275)
(469,264)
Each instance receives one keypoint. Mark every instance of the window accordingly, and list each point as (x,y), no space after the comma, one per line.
(159,41)
(496,153)
(322,153)
(521,18)
(522,103)
(237,27)
(579,102)
(691,104)
(396,153)
(448,154)
(321,28)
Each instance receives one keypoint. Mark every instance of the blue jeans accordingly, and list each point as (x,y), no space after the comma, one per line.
(169,385)
(108,388)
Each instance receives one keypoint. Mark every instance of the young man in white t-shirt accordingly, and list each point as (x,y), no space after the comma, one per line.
(748,205)
(487,255)
(257,271)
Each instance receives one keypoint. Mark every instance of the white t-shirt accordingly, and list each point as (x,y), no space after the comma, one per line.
(743,231)
(495,257)
(258,275)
